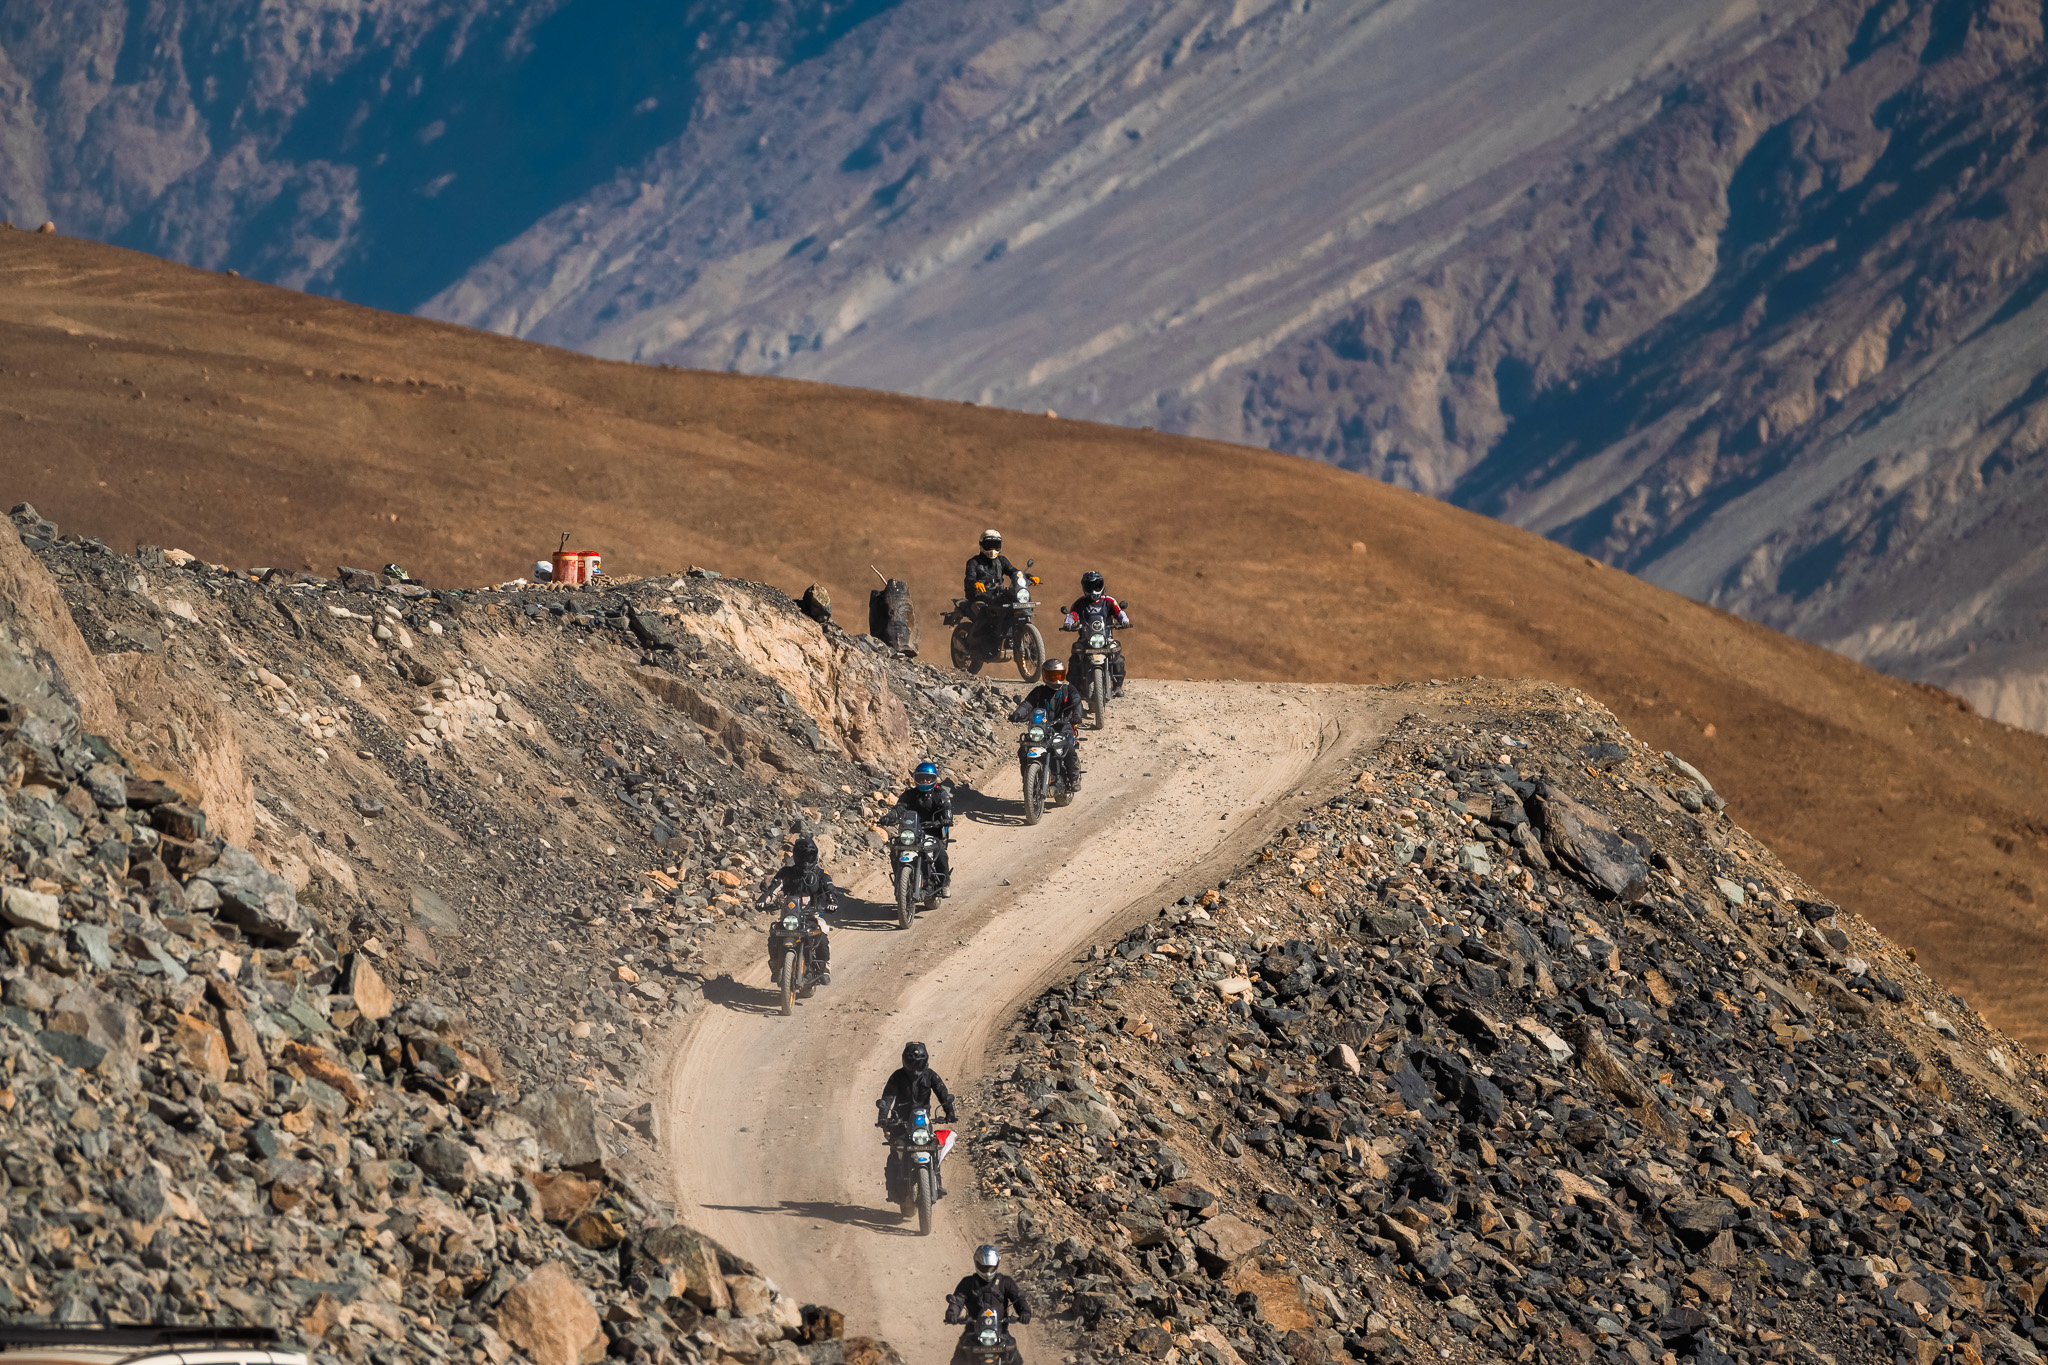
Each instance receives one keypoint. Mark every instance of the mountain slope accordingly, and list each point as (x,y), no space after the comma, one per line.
(373,152)
(147,401)
(1747,303)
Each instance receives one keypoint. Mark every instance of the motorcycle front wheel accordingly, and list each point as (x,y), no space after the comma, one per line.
(1034,792)
(963,649)
(786,978)
(924,1201)
(1098,698)
(906,894)
(1029,646)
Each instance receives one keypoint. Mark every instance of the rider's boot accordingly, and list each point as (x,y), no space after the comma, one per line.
(821,959)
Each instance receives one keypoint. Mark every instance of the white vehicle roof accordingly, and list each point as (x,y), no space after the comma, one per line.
(98,1354)
(97,1344)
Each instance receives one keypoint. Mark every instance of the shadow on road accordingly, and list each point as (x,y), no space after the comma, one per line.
(884,1220)
(741,998)
(984,809)
(865,916)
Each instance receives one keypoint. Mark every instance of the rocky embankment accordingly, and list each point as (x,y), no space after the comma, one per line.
(1521,1048)
(342,920)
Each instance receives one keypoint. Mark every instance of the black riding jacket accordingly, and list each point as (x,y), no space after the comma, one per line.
(933,805)
(999,1292)
(1063,705)
(811,881)
(906,1090)
(990,573)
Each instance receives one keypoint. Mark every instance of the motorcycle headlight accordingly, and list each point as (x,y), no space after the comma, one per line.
(908,836)
(1096,642)
(1037,732)
(790,922)
(1023,594)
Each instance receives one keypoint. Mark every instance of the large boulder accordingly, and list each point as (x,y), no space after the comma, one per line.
(1225,1240)
(1582,839)
(688,1260)
(564,1122)
(549,1317)
(256,900)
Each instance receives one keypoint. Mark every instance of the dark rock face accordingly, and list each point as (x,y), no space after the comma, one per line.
(1673,1131)
(213,1106)
(249,146)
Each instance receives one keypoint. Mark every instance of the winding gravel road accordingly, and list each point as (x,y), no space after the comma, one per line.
(769,1120)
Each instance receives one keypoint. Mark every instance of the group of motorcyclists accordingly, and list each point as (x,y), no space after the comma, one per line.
(986,1301)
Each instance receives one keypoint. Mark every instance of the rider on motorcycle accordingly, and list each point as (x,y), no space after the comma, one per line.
(1063,705)
(933,806)
(805,877)
(912,1086)
(1093,598)
(986,1288)
(989,576)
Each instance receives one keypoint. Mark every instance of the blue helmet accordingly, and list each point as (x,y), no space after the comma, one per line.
(926,776)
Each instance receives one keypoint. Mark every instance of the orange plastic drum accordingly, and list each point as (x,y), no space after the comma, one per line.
(568,566)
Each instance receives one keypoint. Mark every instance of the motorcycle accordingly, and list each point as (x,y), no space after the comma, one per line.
(915,1151)
(1042,763)
(1097,661)
(987,1340)
(914,860)
(1002,630)
(790,935)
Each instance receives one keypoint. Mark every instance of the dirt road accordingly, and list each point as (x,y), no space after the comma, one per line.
(769,1120)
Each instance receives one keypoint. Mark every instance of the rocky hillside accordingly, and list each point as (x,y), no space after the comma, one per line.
(1521,1049)
(343,921)
(155,404)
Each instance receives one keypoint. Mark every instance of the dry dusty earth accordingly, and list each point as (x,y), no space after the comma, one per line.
(146,402)
(787,1170)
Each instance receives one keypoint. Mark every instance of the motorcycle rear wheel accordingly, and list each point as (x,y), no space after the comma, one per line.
(786,977)
(1029,646)
(906,894)
(1098,698)
(924,1201)
(963,649)
(1034,793)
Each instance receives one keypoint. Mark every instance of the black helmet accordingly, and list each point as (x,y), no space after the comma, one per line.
(1091,582)
(986,1259)
(806,851)
(915,1057)
(926,777)
(991,540)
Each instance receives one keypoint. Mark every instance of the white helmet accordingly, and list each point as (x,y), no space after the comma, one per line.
(542,571)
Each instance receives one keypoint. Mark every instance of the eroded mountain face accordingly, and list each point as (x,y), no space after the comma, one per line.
(374,151)
(1839,436)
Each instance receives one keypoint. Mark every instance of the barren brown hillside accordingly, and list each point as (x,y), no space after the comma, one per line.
(146,402)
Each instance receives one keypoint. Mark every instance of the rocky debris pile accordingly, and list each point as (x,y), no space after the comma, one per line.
(1520,1048)
(535,804)
(210,1112)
